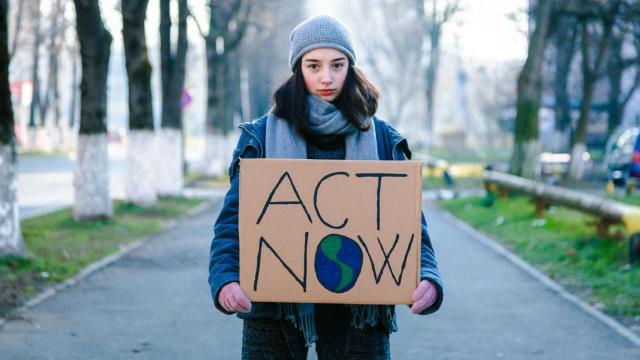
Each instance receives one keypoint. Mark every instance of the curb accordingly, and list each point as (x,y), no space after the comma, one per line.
(99,264)
(541,277)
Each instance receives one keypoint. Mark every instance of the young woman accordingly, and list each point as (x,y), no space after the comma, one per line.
(325,110)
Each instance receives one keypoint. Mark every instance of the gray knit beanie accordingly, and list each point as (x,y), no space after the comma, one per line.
(320,31)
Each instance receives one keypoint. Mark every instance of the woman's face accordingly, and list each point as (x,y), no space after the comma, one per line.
(324,71)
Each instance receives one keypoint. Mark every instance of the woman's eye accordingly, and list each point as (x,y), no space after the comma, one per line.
(313,66)
(338,66)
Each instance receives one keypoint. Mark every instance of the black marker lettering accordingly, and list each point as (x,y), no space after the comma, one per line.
(302,282)
(315,200)
(269,202)
(379,176)
(378,275)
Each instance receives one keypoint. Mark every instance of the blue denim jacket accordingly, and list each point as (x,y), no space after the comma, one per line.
(224,255)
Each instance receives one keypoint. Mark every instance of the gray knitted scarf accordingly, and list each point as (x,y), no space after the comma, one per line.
(283,141)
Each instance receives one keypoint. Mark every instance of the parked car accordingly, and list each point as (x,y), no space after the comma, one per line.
(622,156)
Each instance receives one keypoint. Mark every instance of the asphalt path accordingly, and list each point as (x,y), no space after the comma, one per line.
(154,303)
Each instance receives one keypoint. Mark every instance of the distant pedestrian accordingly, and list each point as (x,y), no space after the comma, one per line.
(325,110)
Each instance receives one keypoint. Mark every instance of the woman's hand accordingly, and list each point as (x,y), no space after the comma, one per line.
(424,296)
(233,299)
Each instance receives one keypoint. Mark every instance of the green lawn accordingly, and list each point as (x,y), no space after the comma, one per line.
(58,246)
(563,244)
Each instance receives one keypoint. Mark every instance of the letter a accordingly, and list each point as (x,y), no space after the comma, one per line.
(295,191)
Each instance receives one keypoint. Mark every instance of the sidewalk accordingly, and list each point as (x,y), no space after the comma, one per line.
(155,304)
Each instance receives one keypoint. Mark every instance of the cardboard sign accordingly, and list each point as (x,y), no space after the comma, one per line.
(330,231)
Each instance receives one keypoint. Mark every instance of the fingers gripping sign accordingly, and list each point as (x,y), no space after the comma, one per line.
(233,299)
(423,297)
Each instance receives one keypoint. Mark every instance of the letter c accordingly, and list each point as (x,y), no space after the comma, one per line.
(315,200)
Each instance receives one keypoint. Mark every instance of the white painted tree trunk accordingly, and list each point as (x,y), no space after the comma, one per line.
(218,152)
(577,165)
(532,158)
(91,178)
(10,235)
(530,155)
(168,170)
(139,187)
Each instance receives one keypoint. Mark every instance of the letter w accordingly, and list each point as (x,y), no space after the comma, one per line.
(378,275)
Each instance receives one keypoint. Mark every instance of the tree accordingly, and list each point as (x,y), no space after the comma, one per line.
(564,40)
(170,158)
(91,175)
(605,14)
(433,18)
(10,236)
(139,186)
(526,147)
(618,65)
(49,36)
(52,91)
(263,53)
(16,29)
(228,22)
(35,78)
(392,28)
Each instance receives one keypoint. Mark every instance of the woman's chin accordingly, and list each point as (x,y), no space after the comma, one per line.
(328,98)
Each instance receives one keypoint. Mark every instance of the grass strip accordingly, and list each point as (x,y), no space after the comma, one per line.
(563,244)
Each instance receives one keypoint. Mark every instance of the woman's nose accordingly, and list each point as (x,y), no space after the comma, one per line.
(327,77)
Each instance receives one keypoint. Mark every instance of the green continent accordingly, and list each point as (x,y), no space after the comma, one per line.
(330,247)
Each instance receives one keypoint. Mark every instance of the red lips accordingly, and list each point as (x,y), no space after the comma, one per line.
(326,92)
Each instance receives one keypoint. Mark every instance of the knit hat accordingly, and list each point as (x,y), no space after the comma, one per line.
(320,31)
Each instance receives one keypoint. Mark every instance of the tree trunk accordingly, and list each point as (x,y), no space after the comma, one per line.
(35,79)
(170,148)
(220,41)
(232,84)
(10,235)
(73,103)
(91,170)
(576,167)
(16,29)
(139,188)
(565,40)
(524,159)
(53,91)
(214,133)
(614,75)
(431,78)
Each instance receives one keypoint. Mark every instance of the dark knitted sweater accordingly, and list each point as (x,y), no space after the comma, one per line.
(330,147)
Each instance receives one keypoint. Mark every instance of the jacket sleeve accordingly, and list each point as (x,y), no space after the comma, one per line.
(428,263)
(224,260)
(429,268)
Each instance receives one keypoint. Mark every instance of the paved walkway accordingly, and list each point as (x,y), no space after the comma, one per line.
(154,304)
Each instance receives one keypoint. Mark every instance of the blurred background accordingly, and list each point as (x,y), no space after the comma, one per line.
(448,72)
(119,115)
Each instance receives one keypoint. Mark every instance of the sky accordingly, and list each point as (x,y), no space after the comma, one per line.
(481,31)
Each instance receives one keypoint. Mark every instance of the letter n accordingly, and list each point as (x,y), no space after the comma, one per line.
(302,281)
